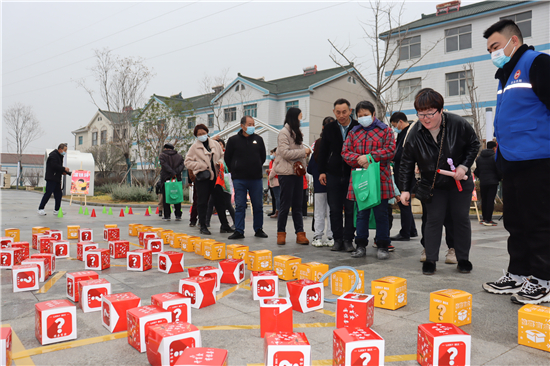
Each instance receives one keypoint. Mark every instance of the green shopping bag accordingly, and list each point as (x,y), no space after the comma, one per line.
(366,185)
(173,190)
(372,220)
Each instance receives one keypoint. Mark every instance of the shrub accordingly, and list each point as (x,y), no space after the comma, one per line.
(105,188)
(132,194)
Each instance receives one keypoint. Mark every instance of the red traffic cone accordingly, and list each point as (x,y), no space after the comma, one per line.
(121,213)
(157,211)
(130,211)
(93,213)
(147,212)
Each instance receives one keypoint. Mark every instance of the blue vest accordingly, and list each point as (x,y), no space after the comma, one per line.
(522,121)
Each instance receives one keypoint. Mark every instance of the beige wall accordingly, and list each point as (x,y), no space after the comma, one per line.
(95,126)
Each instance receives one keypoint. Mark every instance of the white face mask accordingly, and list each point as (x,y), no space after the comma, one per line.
(365,121)
(202,138)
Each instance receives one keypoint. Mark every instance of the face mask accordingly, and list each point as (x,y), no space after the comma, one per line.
(202,138)
(499,58)
(272,157)
(396,130)
(250,130)
(63,153)
(365,121)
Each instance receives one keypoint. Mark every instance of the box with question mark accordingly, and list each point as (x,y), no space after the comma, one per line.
(25,277)
(155,245)
(232,271)
(41,263)
(343,280)
(201,290)
(264,285)
(5,346)
(97,259)
(13,233)
(10,257)
(357,346)
(389,292)
(119,248)
(203,356)
(50,262)
(177,239)
(113,310)
(237,251)
(451,306)
(214,250)
(354,310)
(442,344)
(171,262)
(286,266)
(44,244)
(286,349)
(74,278)
(139,260)
(312,271)
(111,234)
(207,271)
(72,231)
(84,246)
(56,234)
(306,295)
(133,229)
(198,245)
(140,319)
(61,248)
(24,245)
(166,235)
(188,243)
(260,260)
(144,235)
(85,234)
(55,321)
(91,292)
(39,229)
(5,242)
(179,305)
(533,326)
(167,343)
(275,316)
(35,238)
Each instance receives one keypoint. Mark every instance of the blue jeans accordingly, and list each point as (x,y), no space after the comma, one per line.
(382,225)
(255,189)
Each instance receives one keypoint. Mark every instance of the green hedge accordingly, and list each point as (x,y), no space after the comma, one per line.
(132,194)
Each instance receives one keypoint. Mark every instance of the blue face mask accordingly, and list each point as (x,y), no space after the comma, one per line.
(365,121)
(396,130)
(250,130)
(499,58)
(202,138)
(63,153)
(272,157)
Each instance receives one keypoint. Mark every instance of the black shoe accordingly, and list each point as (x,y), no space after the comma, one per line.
(178,218)
(192,224)
(428,268)
(348,246)
(338,245)
(464,266)
(414,234)
(359,252)
(260,233)
(165,219)
(399,237)
(226,230)
(160,213)
(271,213)
(236,235)
(205,231)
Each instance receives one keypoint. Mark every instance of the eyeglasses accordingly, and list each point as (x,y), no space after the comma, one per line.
(426,115)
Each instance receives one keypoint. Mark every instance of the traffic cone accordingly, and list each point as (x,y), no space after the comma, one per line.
(80,210)
(126,210)
(93,212)
(147,212)
(130,211)
(60,213)
(157,212)
(121,213)
(110,211)
(86,211)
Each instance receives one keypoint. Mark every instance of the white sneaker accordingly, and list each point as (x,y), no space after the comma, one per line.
(41,212)
(317,243)
(329,243)
(423,256)
(56,212)
(450,257)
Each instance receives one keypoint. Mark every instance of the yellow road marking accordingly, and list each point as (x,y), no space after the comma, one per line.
(314,325)
(227,327)
(17,348)
(231,290)
(326,312)
(48,285)
(137,245)
(329,362)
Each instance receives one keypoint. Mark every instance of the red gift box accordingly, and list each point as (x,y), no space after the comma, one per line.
(287,349)
(206,271)
(144,235)
(171,262)
(41,263)
(55,321)
(61,249)
(179,305)
(140,319)
(111,234)
(264,285)
(74,278)
(166,343)
(50,262)
(155,245)
(26,248)
(84,246)
(139,260)
(91,292)
(203,356)
(443,344)
(201,290)
(5,346)
(44,244)
(119,248)
(85,234)
(97,259)
(113,310)
(232,270)
(56,234)
(25,277)
(35,238)
(275,316)
(354,310)
(306,295)
(5,242)
(10,257)
(357,346)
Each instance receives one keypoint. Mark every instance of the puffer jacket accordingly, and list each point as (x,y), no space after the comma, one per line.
(54,167)
(288,152)
(199,159)
(172,165)
(486,168)
(461,144)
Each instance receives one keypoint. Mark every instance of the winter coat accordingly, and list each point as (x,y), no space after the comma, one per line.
(288,152)
(330,159)
(486,168)
(245,156)
(54,167)
(172,165)
(199,159)
(273,179)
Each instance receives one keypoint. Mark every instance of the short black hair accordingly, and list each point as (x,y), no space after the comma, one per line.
(398,116)
(506,27)
(222,142)
(243,120)
(341,101)
(364,104)
(491,145)
(328,120)
(428,98)
(198,127)
(62,146)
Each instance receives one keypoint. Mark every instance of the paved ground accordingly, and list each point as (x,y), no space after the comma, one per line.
(493,329)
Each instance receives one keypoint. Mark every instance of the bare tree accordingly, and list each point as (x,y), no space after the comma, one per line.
(32,176)
(212,86)
(122,83)
(107,157)
(472,105)
(384,35)
(23,128)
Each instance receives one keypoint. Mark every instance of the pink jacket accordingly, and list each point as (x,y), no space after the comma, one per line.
(198,158)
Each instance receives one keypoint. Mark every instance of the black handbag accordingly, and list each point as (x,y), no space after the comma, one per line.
(204,175)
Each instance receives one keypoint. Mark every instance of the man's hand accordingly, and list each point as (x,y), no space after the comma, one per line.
(460,173)
(363,161)
(405,198)
(323,179)
(66,169)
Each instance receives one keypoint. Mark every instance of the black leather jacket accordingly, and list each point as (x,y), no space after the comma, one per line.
(461,144)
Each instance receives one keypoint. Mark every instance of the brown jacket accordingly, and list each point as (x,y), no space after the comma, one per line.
(288,152)
(198,158)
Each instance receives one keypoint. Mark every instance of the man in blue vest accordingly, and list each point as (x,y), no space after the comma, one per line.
(522,129)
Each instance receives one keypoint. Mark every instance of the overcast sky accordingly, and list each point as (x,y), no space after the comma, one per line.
(47,45)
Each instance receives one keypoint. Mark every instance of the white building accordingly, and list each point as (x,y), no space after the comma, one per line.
(458,39)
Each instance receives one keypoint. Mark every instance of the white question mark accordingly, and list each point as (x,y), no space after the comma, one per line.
(61,250)
(453,351)
(105,313)
(93,261)
(286,363)
(383,298)
(4,259)
(366,358)
(178,313)
(442,311)
(60,323)
(266,288)
(134,259)
(27,280)
(314,298)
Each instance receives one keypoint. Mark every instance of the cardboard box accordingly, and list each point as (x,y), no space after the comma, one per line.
(5,242)
(10,257)
(41,263)
(132,229)
(533,327)
(342,281)
(179,305)
(111,234)
(73,280)
(39,229)
(55,321)
(357,346)
(203,356)
(207,271)
(44,244)
(114,307)
(14,233)
(143,228)
(285,349)
(275,316)
(166,236)
(264,285)
(306,295)
(62,249)
(232,271)
(5,346)
(260,260)
(198,245)
(35,238)
(167,343)
(389,292)
(91,292)
(84,246)
(177,239)
(139,260)
(450,306)
(237,251)
(156,230)
(187,243)
(286,266)
(171,262)
(119,248)
(22,244)
(97,259)
(145,235)
(201,291)
(155,245)
(354,311)
(312,271)
(140,319)
(110,226)
(72,232)
(56,234)
(85,234)
(442,344)
(50,262)
(25,277)
(214,250)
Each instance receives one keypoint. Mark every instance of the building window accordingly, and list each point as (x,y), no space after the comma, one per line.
(293,103)
(410,48)
(409,88)
(80,140)
(251,110)
(352,80)
(99,118)
(103,137)
(230,114)
(191,122)
(210,120)
(94,138)
(523,21)
(459,38)
(237,88)
(242,87)
(457,83)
